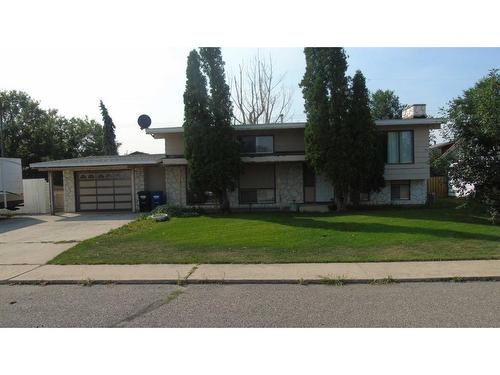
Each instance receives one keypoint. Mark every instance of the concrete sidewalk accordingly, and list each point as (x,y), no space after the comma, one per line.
(252,273)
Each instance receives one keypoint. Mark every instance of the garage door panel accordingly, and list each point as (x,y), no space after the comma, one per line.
(104,183)
(105,206)
(122,182)
(123,190)
(88,199)
(123,205)
(107,190)
(84,184)
(104,191)
(106,198)
(88,206)
(87,191)
(123,198)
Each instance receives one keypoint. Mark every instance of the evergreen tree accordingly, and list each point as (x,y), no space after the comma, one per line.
(367,159)
(212,152)
(196,124)
(328,144)
(223,165)
(110,146)
(385,104)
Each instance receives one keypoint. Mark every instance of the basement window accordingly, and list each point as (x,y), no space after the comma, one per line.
(400,190)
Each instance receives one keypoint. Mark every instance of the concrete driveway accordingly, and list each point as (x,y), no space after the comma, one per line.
(37,239)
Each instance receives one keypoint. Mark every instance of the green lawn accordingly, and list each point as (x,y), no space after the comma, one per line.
(389,234)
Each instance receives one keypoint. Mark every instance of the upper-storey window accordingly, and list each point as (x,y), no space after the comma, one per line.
(400,147)
(257,144)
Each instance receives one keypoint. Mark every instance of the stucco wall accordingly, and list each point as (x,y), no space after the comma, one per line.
(418,194)
(289,184)
(138,176)
(69,191)
(175,185)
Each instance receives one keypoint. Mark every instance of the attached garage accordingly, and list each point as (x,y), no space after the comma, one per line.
(104,191)
(105,183)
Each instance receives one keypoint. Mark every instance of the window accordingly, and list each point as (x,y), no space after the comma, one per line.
(257,184)
(400,147)
(260,144)
(400,190)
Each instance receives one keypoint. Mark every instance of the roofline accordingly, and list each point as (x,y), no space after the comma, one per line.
(71,163)
(443,144)
(301,125)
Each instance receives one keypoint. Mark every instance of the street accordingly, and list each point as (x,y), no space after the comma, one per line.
(447,304)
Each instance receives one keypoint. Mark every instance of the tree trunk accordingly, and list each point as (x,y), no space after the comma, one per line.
(340,202)
(355,197)
(224,202)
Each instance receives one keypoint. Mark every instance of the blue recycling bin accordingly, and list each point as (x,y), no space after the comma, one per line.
(156,199)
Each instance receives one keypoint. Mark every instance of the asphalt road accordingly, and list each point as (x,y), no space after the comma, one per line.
(470,304)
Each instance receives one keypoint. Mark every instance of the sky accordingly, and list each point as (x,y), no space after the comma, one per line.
(133,81)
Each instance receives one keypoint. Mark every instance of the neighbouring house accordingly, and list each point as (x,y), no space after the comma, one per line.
(275,173)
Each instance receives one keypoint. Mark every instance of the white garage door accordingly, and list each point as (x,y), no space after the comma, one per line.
(104,191)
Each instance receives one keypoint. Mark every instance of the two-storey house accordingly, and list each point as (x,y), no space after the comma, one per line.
(275,174)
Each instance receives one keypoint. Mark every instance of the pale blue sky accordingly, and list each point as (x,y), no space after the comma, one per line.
(132,81)
(418,75)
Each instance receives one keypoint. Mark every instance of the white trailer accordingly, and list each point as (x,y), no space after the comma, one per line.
(11,183)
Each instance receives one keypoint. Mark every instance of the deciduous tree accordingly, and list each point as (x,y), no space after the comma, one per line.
(474,120)
(259,94)
(34,134)
(385,105)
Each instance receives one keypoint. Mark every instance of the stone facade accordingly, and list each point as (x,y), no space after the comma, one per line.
(418,194)
(69,191)
(175,185)
(289,184)
(138,180)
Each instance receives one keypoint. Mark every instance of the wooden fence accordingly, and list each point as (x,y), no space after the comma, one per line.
(437,185)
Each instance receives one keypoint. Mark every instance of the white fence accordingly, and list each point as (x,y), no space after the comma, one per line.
(36,197)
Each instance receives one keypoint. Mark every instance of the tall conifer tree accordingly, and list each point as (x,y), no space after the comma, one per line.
(223,166)
(196,123)
(211,149)
(325,89)
(367,161)
(110,146)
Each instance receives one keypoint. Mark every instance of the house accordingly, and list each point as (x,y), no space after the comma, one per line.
(275,173)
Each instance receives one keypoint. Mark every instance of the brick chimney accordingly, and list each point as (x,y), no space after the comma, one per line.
(414,111)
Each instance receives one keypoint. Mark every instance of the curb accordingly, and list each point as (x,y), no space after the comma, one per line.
(250,281)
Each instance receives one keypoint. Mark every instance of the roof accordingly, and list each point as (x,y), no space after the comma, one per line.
(436,122)
(97,161)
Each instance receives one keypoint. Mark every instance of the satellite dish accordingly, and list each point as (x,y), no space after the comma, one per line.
(144,121)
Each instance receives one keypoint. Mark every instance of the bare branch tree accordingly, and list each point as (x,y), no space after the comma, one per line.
(259,97)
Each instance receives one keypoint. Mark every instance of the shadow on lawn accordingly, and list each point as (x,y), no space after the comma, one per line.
(315,222)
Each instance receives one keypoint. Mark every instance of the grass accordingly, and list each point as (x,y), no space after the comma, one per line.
(389,234)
